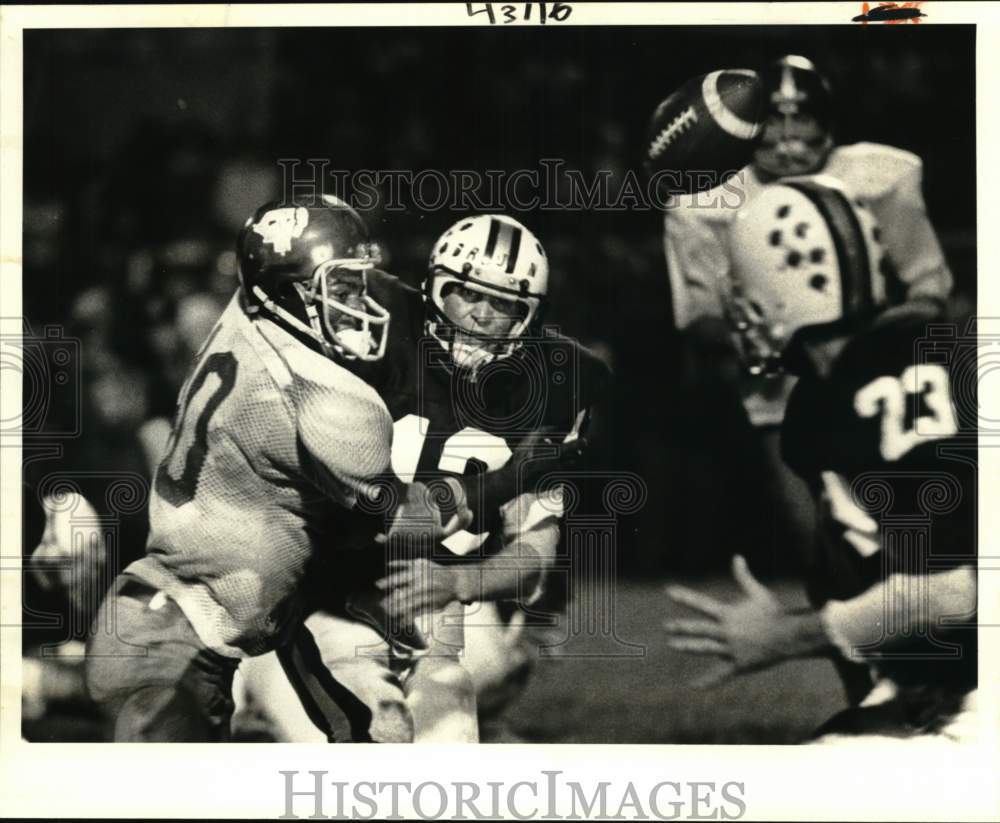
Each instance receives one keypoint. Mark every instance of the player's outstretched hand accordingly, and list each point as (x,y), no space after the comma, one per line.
(752,633)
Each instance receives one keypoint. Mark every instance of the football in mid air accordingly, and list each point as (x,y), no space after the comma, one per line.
(705,131)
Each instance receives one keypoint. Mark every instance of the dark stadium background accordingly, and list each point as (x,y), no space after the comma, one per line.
(144,151)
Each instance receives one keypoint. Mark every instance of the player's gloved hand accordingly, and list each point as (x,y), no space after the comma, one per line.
(396,623)
(540,453)
(753,633)
(417,585)
(418,520)
(417,525)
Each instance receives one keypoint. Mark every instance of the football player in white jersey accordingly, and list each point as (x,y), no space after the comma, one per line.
(798,139)
(887,441)
(272,437)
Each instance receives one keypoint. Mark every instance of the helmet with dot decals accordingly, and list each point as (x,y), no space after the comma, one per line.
(805,255)
(485,287)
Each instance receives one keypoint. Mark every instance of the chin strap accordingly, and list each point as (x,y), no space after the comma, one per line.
(317,329)
(435,327)
(313,329)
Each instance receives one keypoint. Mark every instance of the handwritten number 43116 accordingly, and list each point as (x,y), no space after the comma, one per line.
(509,12)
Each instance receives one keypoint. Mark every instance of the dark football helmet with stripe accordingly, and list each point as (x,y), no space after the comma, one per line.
(306,266)
(498,258)
(806,258)
(798,106)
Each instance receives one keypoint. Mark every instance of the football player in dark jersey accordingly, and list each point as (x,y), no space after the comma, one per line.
(272,437)
(478,391)
(882,426)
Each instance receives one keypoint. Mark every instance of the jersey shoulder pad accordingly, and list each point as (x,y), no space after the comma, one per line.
(797,438)
(872,170)
(577,378)
(256,344)
(888,345)
(341,419)
(717,205)
(303,373)
(597,375)
(895,358)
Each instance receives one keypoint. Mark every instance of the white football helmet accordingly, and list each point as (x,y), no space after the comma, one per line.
(805,254)
(495,256)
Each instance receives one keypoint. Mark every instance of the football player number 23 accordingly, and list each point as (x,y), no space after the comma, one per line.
(177,479)
(888,396)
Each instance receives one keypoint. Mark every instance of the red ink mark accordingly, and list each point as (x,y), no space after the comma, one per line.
(890,13)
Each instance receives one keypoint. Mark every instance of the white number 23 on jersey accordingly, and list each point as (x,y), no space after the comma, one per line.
(888,396)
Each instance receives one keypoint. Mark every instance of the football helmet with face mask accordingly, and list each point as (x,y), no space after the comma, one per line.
(806,259)
(485,288)
(306,266)
(798,105)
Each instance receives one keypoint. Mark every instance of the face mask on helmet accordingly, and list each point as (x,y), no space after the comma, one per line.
(485,289)
(792,145)
(805,257)
(350,320)
(308,267)
(796,138)
(479,324)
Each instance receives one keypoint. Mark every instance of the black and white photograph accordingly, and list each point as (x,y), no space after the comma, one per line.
(580,386)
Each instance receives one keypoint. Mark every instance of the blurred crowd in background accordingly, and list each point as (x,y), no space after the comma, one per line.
(146,150)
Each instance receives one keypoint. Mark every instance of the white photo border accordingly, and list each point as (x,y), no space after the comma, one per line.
(780,783)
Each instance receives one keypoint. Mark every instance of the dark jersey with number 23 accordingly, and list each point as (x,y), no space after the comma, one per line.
(888,442)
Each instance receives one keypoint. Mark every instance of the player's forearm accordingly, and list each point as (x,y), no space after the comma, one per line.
(912,243)
(514,573)
(804,635)
(697,268)
(911,603)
